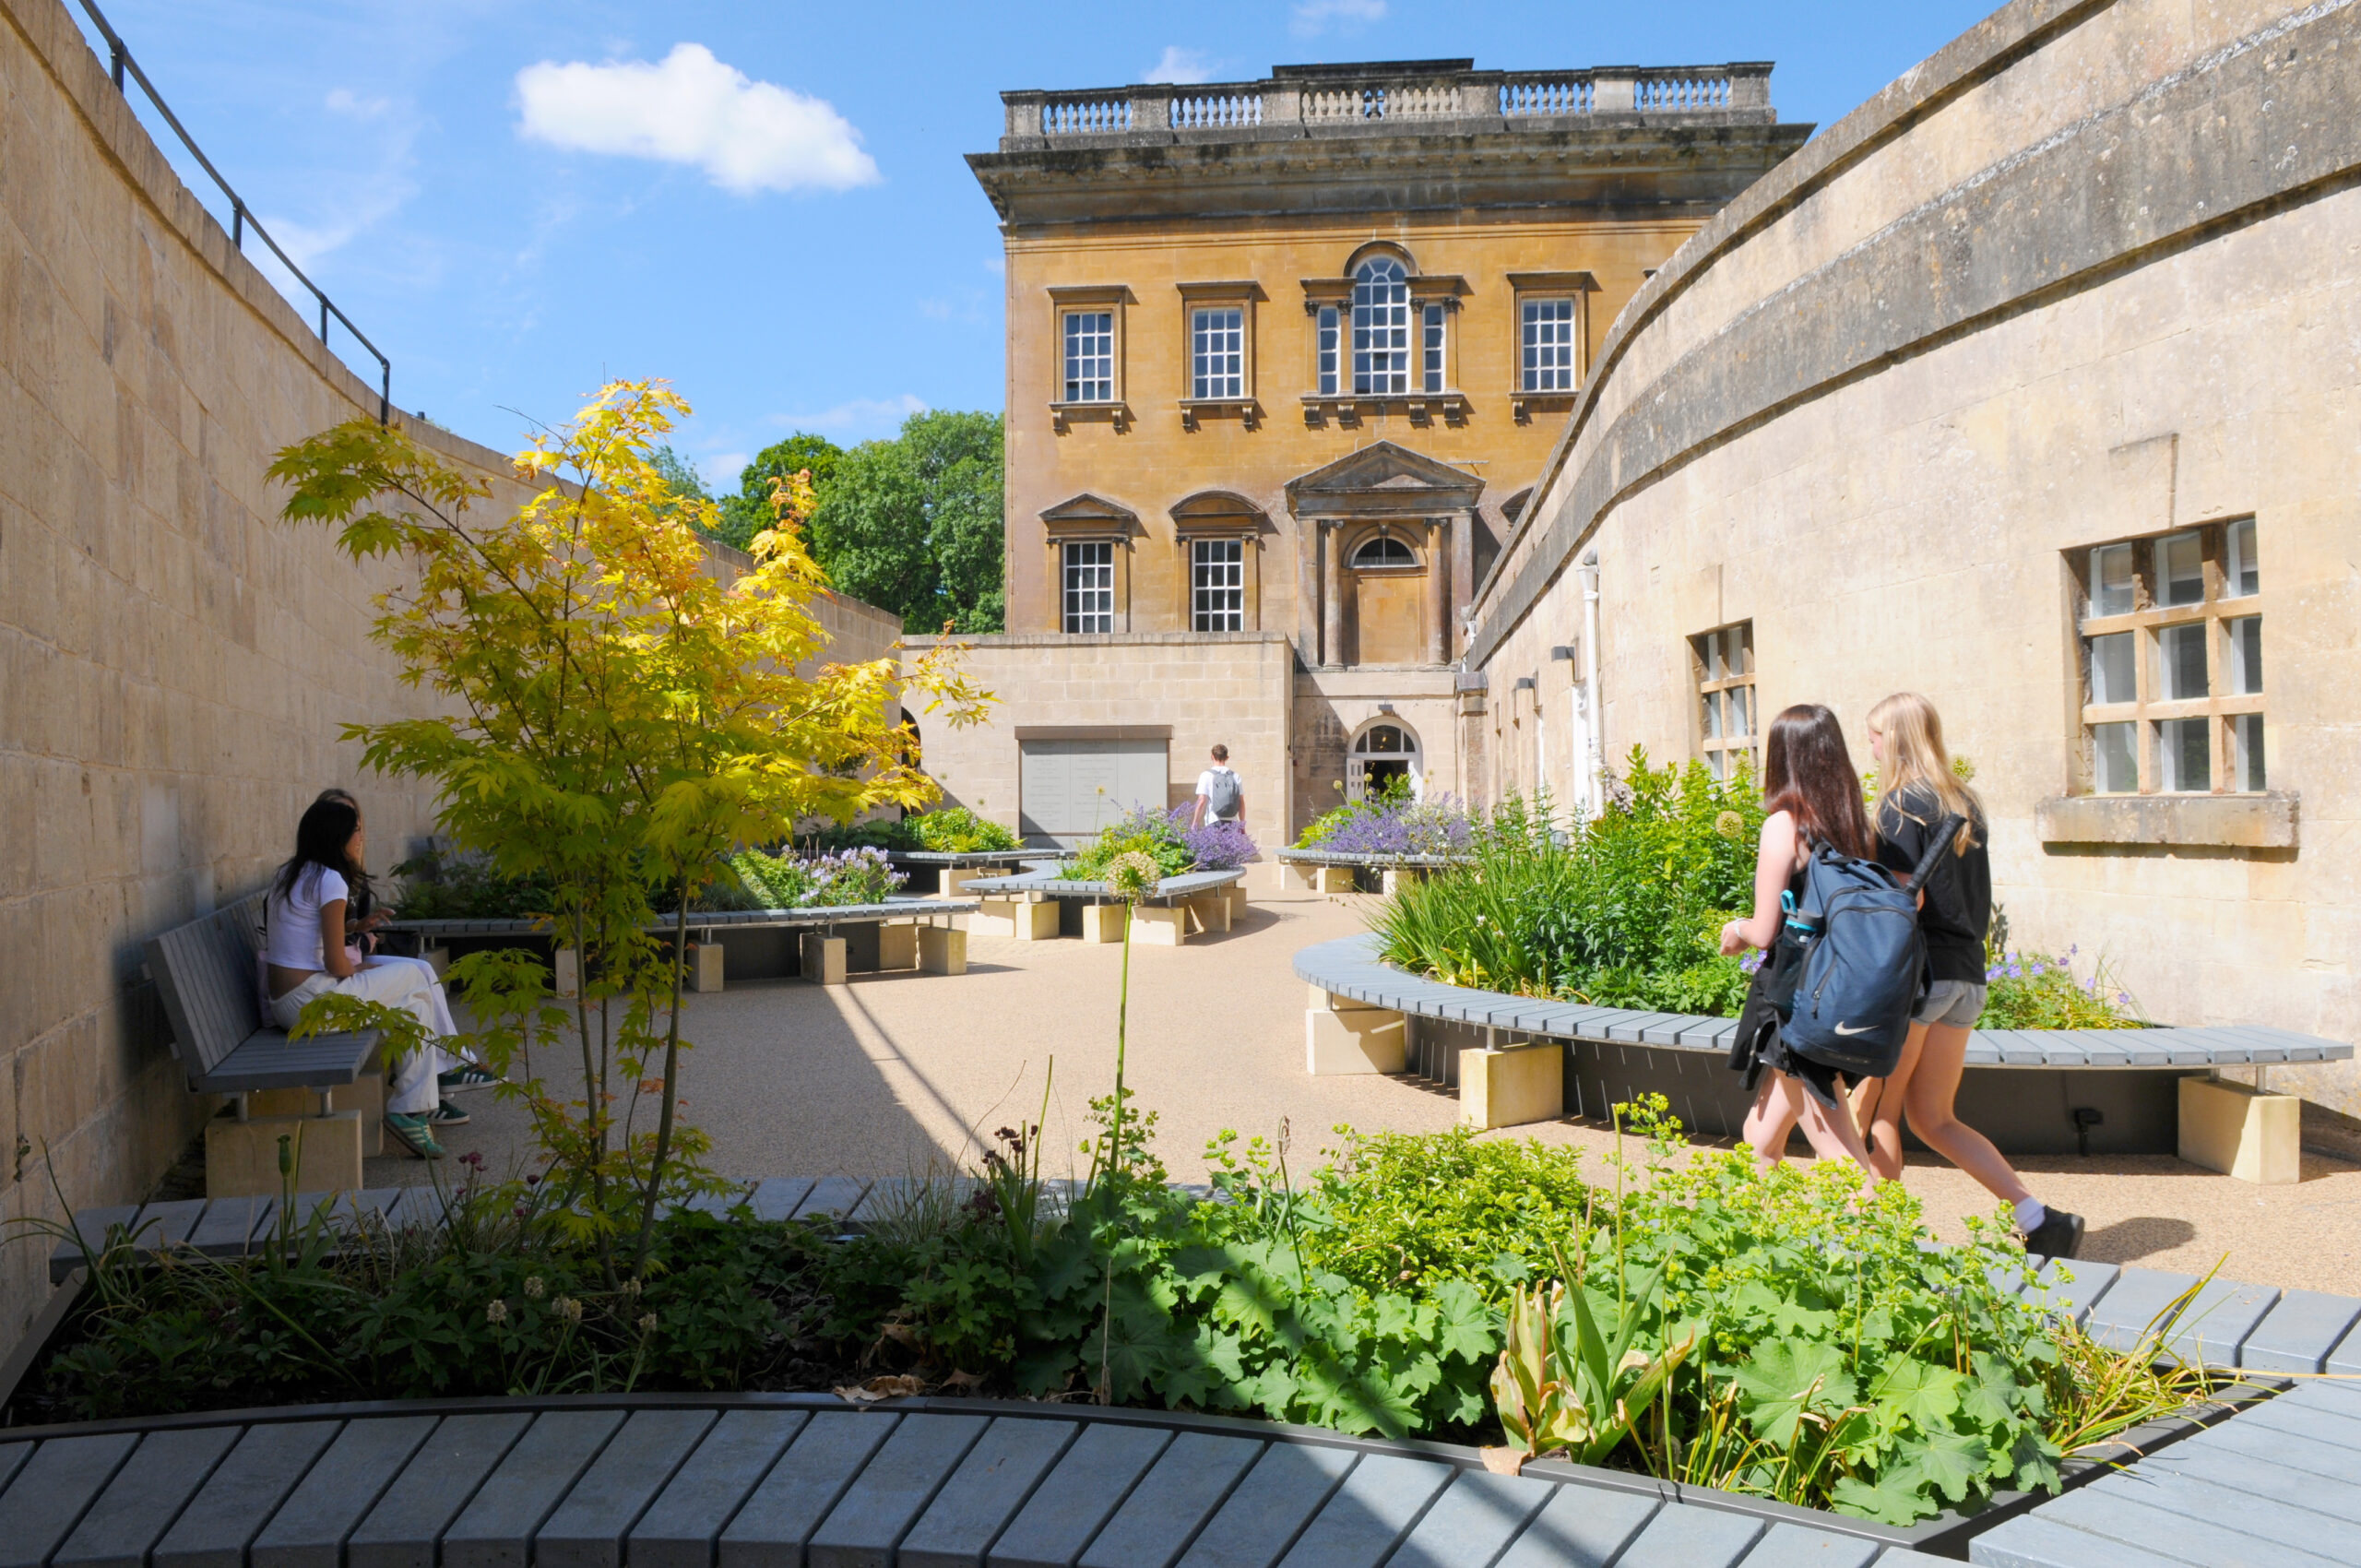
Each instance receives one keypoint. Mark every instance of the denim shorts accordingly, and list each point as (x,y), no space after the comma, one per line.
(1956,1002)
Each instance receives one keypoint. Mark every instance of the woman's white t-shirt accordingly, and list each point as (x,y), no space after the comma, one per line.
(295,919)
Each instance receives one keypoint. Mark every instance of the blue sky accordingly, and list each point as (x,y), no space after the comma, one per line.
(766,203)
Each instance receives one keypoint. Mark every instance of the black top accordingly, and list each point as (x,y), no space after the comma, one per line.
(1959,890)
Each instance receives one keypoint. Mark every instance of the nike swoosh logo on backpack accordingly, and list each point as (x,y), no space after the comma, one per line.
(1865,1028)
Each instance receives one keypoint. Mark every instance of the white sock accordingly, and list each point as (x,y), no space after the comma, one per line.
(2030,1214)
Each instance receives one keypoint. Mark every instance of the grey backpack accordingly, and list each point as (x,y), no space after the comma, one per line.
(1224,794)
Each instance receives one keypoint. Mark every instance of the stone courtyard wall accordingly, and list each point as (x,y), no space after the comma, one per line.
(1233,688)
(2092,272)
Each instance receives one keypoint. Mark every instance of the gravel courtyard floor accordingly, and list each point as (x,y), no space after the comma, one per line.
(895,1072)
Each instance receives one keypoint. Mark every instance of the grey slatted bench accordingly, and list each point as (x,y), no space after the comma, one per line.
(2022,1092)
(1331,871)
(204,974)
(1177,907)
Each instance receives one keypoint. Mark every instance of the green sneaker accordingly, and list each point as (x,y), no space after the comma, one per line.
(411,1130)
(446,1115)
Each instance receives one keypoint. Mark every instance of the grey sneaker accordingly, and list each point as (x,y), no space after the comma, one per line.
(411,1130)
(2059,1235)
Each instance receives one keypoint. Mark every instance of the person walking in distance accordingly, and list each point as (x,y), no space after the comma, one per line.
(1221,797)
(1916,790)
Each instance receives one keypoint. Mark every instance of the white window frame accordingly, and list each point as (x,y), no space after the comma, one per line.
(1382,351)
(1087,340)
(1217,583)
(1433,331)
(1218,353)
(1546,350)
(1087,584)
(1328,356)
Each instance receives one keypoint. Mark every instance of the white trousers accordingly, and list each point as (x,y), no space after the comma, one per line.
(409,985)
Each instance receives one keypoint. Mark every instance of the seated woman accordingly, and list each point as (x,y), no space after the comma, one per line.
(361,919)
(307,954)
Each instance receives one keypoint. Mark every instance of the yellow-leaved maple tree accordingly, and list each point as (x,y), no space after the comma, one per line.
(618,712)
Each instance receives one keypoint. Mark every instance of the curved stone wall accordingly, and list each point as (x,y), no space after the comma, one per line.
(2088,274)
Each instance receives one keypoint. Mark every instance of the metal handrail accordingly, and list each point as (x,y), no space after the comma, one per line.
(121,63)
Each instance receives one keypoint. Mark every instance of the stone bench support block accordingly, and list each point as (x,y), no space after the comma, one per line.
(824,958)
(703,966)
(365,1097)
(1103,922)
(241,1158)
(1022,919)
(943,950)
(956,879)
(1339,1042)
(897,948)
(567,978)
(1332,879)
(1158,925)
(1210,911)
(1236,893)
(2253,1134)
(1511,1085)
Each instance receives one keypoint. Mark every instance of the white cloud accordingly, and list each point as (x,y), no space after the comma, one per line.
(997,265)
(1313,18)
(857,420)
(690,108)
(344,101)
(1180,64)
(721,471)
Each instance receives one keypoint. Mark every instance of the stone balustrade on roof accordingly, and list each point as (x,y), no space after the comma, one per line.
(1428,96)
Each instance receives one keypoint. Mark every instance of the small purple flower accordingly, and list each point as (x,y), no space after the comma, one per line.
(2016,971)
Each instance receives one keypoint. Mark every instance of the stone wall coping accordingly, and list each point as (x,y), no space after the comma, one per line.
(1351,967)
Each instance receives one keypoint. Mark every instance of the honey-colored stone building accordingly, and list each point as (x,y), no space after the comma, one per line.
(1283,357)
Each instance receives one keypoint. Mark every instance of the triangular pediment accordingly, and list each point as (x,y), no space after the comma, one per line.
(1089,512)
(1384,469)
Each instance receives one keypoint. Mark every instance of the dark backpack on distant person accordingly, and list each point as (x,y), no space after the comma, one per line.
(1864,960)
(1224,793)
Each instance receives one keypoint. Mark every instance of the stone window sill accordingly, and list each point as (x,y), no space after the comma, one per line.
(1063,416)
(2246,821)
(1246,411)
(1348,409)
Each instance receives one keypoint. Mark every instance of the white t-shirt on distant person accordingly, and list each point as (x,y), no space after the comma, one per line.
(1206,784)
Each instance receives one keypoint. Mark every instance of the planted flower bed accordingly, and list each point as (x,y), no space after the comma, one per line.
(1626,910)
(1166,837)
(1679,1316)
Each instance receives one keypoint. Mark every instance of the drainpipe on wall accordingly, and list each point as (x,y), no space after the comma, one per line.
(1594,787)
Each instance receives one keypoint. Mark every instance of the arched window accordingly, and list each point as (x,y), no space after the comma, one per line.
(1384,550)
(1381,328)
(1385,756)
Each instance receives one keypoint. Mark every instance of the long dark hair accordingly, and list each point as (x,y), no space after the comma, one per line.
(1807,773)
(328,826)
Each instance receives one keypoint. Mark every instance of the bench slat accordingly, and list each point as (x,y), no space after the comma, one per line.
(998,1474)
(269,1060)
(145,1495)
(1377,1504)
(838,1195)
(1187,1482)
(497,1528)
(2140,1297)
(781,1513)
(879,1507)
(1582,1525)
(47,1497)
(2298,1332)
(1287,1485)
(586,1530)
(310,1527)
(229,1225)
(401,1532)
(1471,1522)
(775,1197)
(243,1492)
(1800,1545)
(680,1526)
(1066,1509)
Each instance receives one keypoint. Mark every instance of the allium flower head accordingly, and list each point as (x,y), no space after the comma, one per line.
(533,1287)
(496,1312)
(1729,824)
(569,1309)
(1133,874)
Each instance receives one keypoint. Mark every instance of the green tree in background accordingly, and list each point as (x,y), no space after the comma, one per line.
(913,525)
(748,513)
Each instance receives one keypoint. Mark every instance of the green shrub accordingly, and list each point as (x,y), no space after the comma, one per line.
(957,830)
(1622,912)
(2035,990)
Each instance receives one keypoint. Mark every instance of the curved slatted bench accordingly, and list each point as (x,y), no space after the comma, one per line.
(841,939)
(1332,871)
(1610,1055)
(1026,906)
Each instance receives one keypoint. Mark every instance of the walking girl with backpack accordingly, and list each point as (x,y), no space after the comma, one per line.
(1814,799)
(1917,793)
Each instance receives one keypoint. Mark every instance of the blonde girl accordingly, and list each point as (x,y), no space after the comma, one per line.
(1916,790)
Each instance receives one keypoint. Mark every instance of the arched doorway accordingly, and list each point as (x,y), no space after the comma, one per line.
(1385,750)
